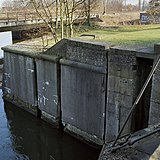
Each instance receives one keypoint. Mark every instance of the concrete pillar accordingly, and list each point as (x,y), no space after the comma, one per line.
(48,87)
(19,80)
(83,89)
(121,90)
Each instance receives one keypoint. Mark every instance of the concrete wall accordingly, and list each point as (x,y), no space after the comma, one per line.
(121,90)
(48,77)
(87,86)
(83,89)
(154,117)
(19,81)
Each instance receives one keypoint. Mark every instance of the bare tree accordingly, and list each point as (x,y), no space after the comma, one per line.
(62,18)
(71,6)
(62,11)
(43,10)
(7,5)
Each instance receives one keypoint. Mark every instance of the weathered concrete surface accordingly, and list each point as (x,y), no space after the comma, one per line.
(154,116)
(83,100)
(49,81)
(79,83)
(128,69)
(140,150)
(48,78)
(93,53)
(19,81)
(83,89)
(121,90)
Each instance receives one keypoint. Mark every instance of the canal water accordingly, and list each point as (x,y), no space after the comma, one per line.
(24,137)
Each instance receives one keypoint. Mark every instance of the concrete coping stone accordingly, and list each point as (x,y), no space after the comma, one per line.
(30,51)
(146,53)
(98,69)
(142,52)
(124,50)
(49,57)
(89,44)
(88,52)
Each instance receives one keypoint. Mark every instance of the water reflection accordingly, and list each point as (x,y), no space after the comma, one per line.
(22,136)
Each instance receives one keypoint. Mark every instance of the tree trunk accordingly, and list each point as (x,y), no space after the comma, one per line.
(61,19)
(89,13)
(56,25)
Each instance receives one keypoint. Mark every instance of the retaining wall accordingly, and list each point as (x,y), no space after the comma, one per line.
(19,80)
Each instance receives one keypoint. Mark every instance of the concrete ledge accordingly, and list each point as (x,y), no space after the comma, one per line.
(90,44)
(146,53)
(23,50)
(47,57)
(91,139)
(25,106)
(50,119)
(83,66)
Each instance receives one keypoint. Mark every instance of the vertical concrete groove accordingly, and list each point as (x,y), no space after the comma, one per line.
(106,95)
(119,119)
(59,91)
(36,89)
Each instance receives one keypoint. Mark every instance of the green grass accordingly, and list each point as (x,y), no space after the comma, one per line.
(134,35)
(142,35)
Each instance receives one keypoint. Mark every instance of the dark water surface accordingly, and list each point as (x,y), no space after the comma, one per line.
(24,137)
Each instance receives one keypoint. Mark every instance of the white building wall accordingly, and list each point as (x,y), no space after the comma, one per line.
(5,39)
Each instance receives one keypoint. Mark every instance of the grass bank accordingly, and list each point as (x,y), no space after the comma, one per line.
(134,35)
(143,35)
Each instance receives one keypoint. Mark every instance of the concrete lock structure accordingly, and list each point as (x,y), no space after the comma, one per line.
(89,87)
(31,81)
